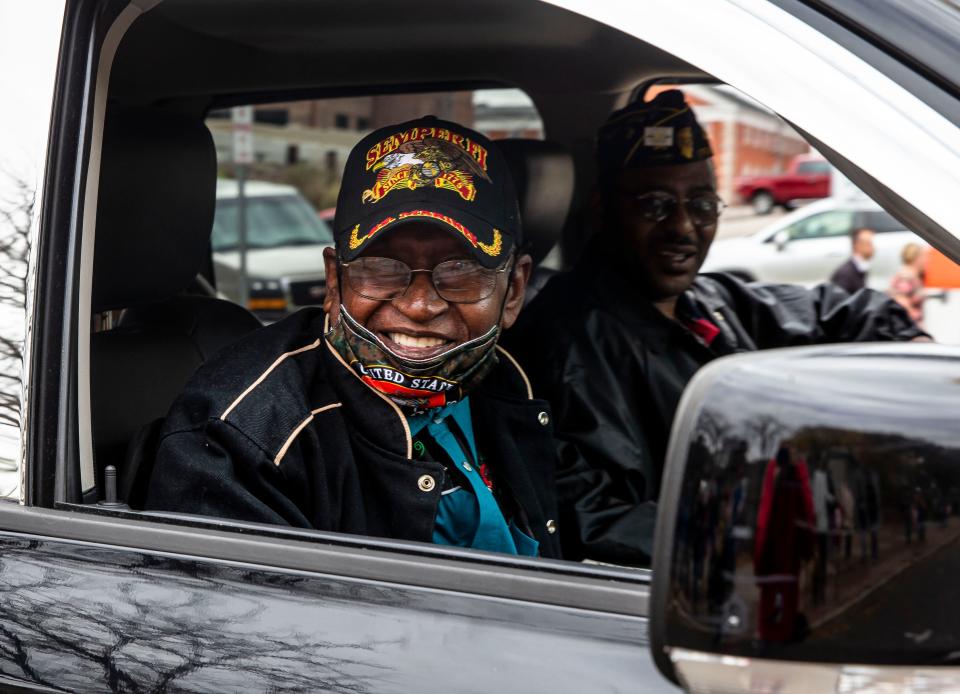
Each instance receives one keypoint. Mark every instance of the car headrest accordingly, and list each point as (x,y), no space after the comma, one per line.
(543,174)
(158,181)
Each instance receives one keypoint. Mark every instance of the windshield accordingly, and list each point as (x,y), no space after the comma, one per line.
(282,220)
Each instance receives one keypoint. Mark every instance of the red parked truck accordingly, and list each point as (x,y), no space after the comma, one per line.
(807,177)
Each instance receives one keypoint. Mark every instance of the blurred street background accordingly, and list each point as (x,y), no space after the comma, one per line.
(789,218)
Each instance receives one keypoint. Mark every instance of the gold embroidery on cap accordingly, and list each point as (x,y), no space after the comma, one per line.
(428,162)
(492,249)
(355,242)
(398,141)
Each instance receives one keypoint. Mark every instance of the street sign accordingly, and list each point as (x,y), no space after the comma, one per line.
(242,117)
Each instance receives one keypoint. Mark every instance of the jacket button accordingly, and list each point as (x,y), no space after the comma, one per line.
(426,483)
(551,526)
(543,418)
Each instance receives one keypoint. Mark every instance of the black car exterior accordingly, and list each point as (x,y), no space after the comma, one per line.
(97,598)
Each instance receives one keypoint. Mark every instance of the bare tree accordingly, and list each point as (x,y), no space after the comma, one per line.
(79,621)
(766,432)
(16,218)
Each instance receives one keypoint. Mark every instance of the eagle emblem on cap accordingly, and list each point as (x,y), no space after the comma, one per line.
(428,162)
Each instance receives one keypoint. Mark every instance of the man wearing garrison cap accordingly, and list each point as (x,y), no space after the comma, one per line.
(613,343)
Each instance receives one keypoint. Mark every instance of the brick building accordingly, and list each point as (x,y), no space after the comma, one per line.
(321,132)
(366,113)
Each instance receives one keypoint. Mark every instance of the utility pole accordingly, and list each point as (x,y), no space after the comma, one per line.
(242,117)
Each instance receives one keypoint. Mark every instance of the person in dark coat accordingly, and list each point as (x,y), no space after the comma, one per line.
(784,544)
(852,275)
(393,411)
(613,343)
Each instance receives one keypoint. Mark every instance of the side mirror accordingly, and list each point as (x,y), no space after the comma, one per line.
(781,239)
(809,520)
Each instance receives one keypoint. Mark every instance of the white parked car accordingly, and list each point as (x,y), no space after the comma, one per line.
(807,245)
(285,242)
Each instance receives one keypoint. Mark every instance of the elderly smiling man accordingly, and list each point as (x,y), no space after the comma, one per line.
(613,343)
(392,412)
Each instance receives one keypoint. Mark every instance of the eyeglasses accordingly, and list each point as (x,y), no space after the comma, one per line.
(386,279)
(657,205)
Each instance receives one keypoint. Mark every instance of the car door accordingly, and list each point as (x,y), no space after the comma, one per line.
(815,177)
(816,245)
(186,615)
(99,598)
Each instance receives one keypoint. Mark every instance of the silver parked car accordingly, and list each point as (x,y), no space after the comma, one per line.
(285,242)
(807,245)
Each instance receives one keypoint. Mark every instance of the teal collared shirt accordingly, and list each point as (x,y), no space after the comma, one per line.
(468,517)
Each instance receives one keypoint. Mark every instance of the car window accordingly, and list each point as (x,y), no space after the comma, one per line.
(813,167)
(880,221)
(273,221)
(823,225)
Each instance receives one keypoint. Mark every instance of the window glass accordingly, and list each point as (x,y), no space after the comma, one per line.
(836,223)
(272,221)
(881,222)
(813,167)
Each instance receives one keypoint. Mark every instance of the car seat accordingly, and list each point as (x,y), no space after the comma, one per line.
(154,216)
(543,174)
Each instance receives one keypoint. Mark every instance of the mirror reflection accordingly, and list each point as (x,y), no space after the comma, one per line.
(802,527)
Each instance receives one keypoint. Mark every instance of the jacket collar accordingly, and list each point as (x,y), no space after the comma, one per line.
(615,294)
(379,419)
(373,414)
(507,379)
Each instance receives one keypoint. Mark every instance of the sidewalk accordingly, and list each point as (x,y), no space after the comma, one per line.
(850,581)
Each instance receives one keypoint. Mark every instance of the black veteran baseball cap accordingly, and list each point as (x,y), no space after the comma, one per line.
(661,131)
(431,171)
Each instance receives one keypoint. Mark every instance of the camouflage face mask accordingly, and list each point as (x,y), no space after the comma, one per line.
(414,384)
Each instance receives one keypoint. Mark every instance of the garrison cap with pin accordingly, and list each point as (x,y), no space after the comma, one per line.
(658,132)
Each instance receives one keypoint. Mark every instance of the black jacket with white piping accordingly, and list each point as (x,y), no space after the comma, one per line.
(278,429)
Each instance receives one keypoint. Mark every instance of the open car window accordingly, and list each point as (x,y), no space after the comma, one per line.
(291,185)
(826,224)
